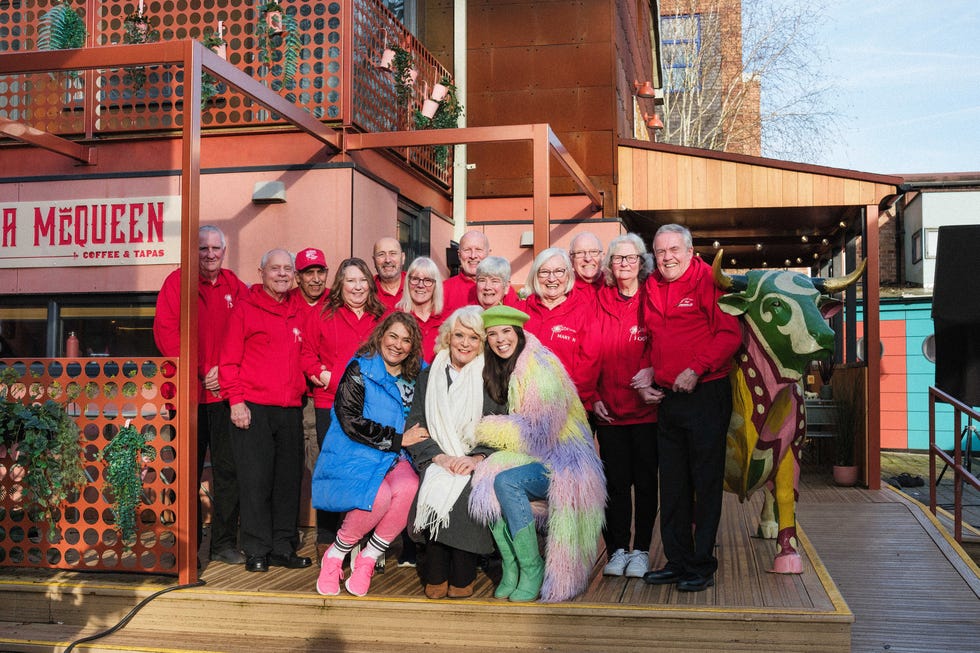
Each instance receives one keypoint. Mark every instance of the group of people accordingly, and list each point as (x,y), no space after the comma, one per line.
(464,416)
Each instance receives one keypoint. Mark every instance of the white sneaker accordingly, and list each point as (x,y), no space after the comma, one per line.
(617,563)
(638,565)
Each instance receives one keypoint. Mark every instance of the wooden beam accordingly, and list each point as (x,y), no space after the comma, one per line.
(45,140)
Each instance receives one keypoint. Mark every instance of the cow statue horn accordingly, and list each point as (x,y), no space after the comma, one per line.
(837,284)
(727,282)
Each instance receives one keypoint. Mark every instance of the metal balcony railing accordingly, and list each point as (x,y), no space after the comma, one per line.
(337,78)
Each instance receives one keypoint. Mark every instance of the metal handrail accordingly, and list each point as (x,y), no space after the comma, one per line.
(960,473)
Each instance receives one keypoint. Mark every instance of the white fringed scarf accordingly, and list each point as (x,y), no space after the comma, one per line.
(452,413)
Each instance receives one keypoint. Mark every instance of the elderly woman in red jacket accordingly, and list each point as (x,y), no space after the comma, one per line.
(626,427)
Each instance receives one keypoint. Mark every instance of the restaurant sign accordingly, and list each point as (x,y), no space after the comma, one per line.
(104,231)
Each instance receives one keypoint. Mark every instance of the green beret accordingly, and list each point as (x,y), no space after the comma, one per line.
(500,315)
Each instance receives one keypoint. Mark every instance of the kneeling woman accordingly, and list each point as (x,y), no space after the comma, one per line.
(361,468)
(544,452)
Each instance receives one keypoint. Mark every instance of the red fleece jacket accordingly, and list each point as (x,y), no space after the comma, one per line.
(687,329)
(386,297)
(215,304)
(568,330)
(260,357)
(330,343)
(621,355)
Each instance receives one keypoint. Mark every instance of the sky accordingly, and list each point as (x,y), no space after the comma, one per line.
(907,85)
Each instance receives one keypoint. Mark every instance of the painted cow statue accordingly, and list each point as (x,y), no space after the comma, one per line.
(784,329)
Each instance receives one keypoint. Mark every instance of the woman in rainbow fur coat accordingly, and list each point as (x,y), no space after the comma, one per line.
(544,452)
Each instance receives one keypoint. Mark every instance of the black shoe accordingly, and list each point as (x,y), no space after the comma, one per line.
(695,583)
(291,561)
(228,556)
(665,576)
(256,563)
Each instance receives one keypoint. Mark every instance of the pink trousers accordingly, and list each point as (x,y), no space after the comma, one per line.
(391,506)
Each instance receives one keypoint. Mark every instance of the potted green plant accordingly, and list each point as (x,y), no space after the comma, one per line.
(445,116)
(124,456)
(276,30)
(43,442)
(61,28)
(403,66)
(137,31)
(209,85)
(849,404)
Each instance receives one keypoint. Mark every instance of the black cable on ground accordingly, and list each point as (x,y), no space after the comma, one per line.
(132,613)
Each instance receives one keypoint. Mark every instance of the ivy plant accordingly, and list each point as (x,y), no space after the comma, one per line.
(403,66)
(446,117)
(123,457)
(210,86)
(270,40)
(46,440)
(137,31)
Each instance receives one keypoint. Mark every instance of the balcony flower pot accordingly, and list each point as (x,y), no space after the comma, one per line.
(845,475)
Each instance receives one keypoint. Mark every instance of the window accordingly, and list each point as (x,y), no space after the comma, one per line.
(413,230)
(917,246)
(105,325)
(681,46)
(932,242)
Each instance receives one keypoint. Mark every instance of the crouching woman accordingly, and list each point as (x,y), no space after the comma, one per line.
(362,468)
(545,454)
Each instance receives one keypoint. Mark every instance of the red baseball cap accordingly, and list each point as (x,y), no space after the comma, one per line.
(309,258)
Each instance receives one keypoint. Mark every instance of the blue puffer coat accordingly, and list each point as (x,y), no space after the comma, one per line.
(364,438)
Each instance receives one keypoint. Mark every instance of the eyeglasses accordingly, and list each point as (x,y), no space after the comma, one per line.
(421,281)
(558,272)
(583,253)
(630,259)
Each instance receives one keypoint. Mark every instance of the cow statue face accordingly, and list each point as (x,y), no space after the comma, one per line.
(786,311)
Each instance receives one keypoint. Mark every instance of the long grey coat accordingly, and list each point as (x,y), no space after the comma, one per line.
(463,532)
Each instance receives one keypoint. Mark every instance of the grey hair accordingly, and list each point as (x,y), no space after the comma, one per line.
(466,316)
(674,228)
(495,266)
(265,257)
(539,260)
(646,260)
(428,267)
(210,228)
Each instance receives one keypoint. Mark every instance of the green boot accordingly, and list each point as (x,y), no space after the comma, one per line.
(530,563)
(509,579)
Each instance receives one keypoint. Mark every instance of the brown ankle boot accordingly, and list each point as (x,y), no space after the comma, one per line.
(436,591)
(461,592)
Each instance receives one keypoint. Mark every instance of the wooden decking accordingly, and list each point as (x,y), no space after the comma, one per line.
(908,586)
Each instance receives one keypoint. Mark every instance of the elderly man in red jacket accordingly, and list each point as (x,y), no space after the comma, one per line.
(218,292)
(692,342)
(260,369)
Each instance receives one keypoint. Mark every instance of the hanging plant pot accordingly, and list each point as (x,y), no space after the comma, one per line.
(274,20)
(439,92)
(387,58)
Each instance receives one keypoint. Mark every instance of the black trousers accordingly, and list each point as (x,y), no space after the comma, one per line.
(691,445)
(214,432)
(269,455)
(629,459)
(445,563)
(327,523)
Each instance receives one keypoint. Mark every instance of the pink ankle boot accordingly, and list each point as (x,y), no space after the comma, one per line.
(331,573)
(360,578)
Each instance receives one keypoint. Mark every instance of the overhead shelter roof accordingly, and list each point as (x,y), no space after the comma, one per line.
(743,202)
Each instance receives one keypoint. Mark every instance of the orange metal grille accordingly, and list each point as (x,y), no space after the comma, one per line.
(101,394)
(337,80)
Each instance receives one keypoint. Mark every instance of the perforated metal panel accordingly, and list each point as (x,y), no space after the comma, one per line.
(101,394)
(337,80)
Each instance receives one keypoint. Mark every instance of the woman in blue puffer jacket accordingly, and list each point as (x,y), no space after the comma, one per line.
(362,469)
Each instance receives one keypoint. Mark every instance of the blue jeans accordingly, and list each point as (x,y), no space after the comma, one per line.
(516,488)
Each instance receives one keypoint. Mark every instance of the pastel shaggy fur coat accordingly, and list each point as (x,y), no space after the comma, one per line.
(547,424)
